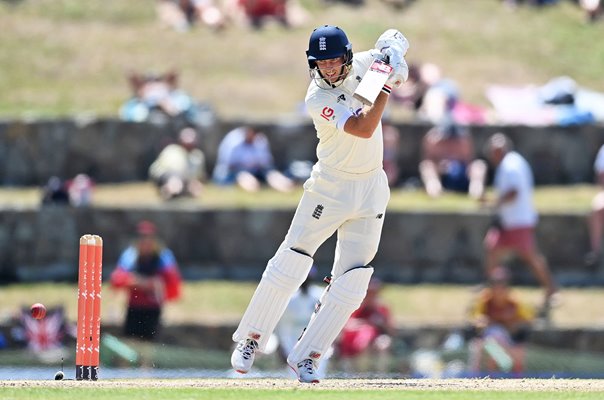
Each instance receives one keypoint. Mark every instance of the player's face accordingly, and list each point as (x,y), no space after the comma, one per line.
(332,69)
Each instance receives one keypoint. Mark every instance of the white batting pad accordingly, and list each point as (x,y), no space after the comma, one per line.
(343,296)
(283,275)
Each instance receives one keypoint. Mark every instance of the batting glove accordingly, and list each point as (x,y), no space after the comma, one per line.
(399,74)
(393,45)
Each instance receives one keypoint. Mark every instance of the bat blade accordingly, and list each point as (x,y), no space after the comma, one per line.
(372,82)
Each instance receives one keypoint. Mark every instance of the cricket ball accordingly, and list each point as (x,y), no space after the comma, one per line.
(59,376)
(38,311)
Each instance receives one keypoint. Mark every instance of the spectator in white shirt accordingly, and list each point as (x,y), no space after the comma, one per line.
(516,217)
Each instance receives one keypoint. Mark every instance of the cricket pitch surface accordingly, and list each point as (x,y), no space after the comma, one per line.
(485,384)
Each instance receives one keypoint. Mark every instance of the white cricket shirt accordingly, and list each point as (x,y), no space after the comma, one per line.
(330,109)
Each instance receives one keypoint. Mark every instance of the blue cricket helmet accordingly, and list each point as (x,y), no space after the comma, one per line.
(327,42)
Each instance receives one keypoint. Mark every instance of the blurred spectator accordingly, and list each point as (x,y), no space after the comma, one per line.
(411,93)
(434,98)
(181,15)
(76,192)
(257,13)
(55,192)
(245,158)
(593,9)
(296,317)
(596,217)
(560,101)
(513,231)
(80,190)
(179,169)
(392,137)
(499,327)
(513,4)
(365,342)
(158,99)
(449,163)
(148,271)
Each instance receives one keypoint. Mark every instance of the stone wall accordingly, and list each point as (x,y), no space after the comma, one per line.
(416,247)
(235,244)
(115,151)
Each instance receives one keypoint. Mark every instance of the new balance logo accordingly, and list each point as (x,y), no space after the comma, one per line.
(358,78)
(341,97)
(318,211)
(379,216)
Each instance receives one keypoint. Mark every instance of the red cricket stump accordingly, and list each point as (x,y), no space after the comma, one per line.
(90,275)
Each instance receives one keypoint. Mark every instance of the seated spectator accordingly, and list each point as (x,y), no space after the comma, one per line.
(181,15)
(148,272)
(410,94)
(448,162)
(179,169)
(80,190)
(245,158)
(158,99)
(596,216)
(434,98)
(257,13)
(76,192)
(366,340)
(499,327)
(560,101)
(55,192)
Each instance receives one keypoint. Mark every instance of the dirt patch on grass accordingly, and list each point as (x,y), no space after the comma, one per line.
(583,385)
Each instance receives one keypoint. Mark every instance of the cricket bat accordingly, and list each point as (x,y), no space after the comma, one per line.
(499,355)
(373,81)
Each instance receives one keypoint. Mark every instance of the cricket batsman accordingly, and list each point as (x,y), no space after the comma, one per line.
(346,193)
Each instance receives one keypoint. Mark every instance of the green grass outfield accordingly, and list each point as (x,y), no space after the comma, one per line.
(484,389)
(71,56)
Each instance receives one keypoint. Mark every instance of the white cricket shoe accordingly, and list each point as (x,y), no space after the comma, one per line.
(306,371)
(243,355)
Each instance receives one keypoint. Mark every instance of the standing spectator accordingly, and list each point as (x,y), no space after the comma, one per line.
(179,169)
(514,230)
(245,158)
(449,163)
(367,336)
(500,324)
(148,271)
(596,217)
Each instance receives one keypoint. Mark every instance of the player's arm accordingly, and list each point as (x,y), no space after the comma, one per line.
(364,124)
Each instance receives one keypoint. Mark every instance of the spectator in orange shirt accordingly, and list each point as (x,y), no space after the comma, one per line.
(500,325)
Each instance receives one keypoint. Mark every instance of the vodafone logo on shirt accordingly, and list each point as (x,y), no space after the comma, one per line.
(327,113)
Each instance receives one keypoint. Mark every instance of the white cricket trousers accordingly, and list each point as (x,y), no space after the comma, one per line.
(353,205)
